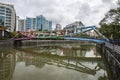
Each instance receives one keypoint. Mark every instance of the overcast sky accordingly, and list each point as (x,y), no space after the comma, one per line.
(90,12)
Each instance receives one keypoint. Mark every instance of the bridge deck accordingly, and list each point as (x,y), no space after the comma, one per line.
(86,39)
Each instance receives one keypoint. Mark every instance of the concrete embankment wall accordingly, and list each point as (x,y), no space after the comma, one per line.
(113,59)
(6,43)
(50,42)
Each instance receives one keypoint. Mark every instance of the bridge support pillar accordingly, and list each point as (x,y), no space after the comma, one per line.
(17,43)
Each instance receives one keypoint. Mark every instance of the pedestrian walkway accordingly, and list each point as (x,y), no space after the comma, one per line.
(114,47)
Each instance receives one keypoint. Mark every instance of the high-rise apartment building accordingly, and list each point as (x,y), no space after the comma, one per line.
(39,23)
(30,23)
(34,24)
(7,16)
(21,25)
(50,25)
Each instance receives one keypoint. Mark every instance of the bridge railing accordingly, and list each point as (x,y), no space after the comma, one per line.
(113,59)
(114,47)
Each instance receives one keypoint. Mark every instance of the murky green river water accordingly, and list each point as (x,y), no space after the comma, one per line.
(52,62)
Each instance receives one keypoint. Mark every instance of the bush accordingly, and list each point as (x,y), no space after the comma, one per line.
(3,38)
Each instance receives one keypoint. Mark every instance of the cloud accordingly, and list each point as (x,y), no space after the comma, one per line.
(90,12)
(84,10)
(107,1)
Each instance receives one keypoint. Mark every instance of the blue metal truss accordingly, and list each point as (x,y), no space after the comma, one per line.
(86,29)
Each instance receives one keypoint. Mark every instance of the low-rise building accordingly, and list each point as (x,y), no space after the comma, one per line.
(4,33)
(74,27)
(58,27)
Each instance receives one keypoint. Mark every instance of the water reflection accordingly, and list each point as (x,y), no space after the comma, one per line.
(69,50)
(7,63)
(60,62)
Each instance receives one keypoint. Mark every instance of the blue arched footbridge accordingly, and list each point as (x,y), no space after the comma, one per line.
(70,36)
(83,30)
(87,39)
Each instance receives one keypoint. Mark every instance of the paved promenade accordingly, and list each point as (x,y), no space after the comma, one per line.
(115,48)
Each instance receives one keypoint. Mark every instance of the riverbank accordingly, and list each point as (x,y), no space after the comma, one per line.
(112,57)
(6,43)
(52,42)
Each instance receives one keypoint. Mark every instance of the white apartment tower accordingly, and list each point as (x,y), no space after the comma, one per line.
(21,24)
(58,27)
(7,16)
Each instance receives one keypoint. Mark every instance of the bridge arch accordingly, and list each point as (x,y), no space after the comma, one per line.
(83,30)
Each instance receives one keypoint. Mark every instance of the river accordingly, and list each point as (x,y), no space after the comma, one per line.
(53,62)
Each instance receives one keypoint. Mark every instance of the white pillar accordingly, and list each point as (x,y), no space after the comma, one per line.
(2,33)
(66,32)
(75,30)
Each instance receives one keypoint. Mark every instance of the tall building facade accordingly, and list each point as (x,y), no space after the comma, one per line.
(7,16)
(39,23)
(50,25)
(30,23)
(34,24)
(21,25)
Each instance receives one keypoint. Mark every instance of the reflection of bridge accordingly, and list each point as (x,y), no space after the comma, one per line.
(69,62)
(68,50)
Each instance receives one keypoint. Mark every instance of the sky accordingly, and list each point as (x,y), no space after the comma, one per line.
(64,12)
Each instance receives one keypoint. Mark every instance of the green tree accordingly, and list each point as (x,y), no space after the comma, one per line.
(110,24)
(82,35)
(14,34)
(110,30)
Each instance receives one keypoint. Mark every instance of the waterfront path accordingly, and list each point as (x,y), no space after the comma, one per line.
(114,47)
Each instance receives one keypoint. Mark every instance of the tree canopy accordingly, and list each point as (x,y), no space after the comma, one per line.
(110,24)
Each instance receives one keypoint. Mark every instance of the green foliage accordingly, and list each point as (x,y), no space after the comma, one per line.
(45,30)
(82,35)
(110,24)
(14,34)
(99,37)
(51,38)
(110,30)
(2,38)
(112,16)
(40,30)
